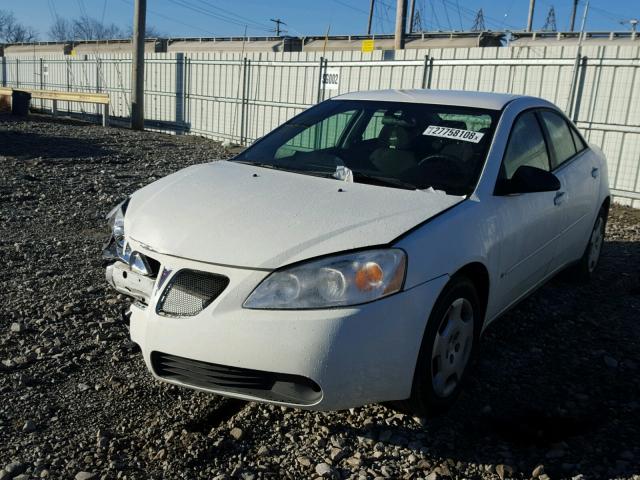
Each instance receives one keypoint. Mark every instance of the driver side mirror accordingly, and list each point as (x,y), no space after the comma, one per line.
(527,179)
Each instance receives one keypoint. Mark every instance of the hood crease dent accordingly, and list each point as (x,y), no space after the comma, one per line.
(222,213)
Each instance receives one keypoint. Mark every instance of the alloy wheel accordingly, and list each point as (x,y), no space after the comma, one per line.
(452,347)
(595,244)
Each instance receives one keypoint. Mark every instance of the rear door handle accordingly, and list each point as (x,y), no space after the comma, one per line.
(559,198)
(595,171)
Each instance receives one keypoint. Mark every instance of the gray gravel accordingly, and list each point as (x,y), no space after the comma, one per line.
(555,393)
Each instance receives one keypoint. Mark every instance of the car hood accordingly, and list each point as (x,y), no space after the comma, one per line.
(235,214)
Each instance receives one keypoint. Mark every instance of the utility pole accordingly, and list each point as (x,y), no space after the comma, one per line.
(532,6)
(412,10)
(401,19)
(278,22)
(584,22)
(572,23)
(137,66)
(371,7)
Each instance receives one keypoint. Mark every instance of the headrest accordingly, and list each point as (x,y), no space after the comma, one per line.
(395,137)
(392,120)
(459,124)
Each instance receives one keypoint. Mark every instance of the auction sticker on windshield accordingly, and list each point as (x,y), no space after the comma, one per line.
(455,133)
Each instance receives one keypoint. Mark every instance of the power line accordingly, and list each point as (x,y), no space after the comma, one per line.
(446,12)
(360,10)
(470,14)
(104,11)
(221,17)
(233,14)
(435,16)
(459,15)
(170,19)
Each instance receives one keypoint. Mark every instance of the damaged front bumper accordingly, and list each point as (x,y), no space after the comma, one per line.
(129,272)
(125,280)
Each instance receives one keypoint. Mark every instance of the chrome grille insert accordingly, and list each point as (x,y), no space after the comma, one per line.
(189,292)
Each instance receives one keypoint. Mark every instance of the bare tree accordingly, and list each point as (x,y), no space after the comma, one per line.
(150,31)
(89,28)
(12,31)
(61,30)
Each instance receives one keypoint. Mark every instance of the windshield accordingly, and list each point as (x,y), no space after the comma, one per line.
(393,144)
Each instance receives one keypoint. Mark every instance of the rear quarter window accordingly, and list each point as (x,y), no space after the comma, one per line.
(577,140)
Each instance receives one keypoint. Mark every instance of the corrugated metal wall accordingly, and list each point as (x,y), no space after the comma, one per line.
(241,97)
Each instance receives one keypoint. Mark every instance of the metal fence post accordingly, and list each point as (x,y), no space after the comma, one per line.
(577,100)
(187,89)
(98,86)
(426,71)
(180,91)
(323,69)
(242,100)
(246,101)
(574,80)
(41,82)
(68,62)
(17,72)
(3,71)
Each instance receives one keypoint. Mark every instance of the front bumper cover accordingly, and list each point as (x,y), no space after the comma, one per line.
(356,355)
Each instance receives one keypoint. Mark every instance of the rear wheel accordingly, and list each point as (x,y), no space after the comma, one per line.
(447,349)
(585,267)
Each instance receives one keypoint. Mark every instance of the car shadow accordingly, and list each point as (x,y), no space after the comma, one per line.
(539,392)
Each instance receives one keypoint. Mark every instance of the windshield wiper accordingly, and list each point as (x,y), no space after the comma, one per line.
(314,173)
(258,164)
(384,181)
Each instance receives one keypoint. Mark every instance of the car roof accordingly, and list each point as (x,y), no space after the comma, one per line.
(486,100)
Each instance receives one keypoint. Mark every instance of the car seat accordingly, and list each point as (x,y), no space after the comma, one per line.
(395,155)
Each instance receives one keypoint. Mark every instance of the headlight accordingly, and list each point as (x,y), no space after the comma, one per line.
(337,281)
(116,222)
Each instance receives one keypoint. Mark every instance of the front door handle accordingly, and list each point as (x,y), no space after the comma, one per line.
(595,171)
(559,198)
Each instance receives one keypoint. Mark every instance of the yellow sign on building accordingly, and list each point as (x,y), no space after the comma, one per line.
(367,45)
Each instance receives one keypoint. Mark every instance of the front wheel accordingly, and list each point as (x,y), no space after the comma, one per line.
(447,349)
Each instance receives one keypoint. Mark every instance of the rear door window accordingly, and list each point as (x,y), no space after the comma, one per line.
(560,137)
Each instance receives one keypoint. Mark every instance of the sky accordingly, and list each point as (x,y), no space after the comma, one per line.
(206,18)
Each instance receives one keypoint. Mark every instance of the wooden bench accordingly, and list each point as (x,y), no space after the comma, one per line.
(55,96)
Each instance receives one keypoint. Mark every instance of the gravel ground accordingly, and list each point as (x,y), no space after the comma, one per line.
(555,393)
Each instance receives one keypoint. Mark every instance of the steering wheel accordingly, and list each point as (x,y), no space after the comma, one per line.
(443,167)
(441,157)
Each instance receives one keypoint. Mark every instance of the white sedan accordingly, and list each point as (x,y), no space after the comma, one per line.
(356,253)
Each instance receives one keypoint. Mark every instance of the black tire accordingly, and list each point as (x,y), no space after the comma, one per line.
(583,270)
(424,400)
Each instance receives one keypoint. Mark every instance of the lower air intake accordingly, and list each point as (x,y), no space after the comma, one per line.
(189,292)
(278,387)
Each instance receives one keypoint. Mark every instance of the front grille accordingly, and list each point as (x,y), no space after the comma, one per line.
(189,292)
(278,387)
